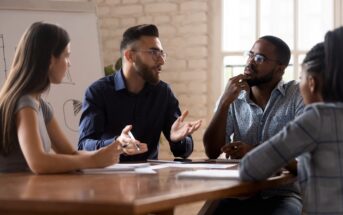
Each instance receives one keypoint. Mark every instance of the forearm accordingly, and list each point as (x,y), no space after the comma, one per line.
(58,163)
(292,167)
(89,144)
(266,159)
(215,134)
(182,148)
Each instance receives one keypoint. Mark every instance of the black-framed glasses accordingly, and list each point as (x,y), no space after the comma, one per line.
(154,53)
(258,58)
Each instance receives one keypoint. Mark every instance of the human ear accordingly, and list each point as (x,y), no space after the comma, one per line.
(52,62)
(281,69)
(312,83)
(128,55)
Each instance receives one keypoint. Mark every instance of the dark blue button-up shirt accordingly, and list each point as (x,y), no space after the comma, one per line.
(108,107)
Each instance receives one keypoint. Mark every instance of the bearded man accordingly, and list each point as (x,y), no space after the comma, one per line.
(136,97)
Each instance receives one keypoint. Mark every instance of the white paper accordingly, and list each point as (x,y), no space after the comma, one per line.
(145,170)
(210,174)
(193,165)
(119,167)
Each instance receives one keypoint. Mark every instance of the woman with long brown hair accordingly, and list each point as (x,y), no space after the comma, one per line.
(28,127)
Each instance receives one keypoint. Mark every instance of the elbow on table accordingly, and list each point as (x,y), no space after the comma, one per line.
(246,174)
(38,168)
(243,176)
(210,150)
(40,165)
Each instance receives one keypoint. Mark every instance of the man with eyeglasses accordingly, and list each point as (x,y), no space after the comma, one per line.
(134,98)
(254,107)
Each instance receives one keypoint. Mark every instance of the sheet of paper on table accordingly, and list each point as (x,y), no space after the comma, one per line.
(210,174)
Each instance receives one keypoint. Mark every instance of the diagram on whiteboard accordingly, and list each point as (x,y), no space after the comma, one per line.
(72,114)
(67,79)
(3,63)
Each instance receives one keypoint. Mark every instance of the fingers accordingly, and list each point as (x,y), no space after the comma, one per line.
(236,153)
(126,129)
(124,137)
(240,84)
(238,77)
(116,146)
(183,115)
(243,85)
(189,128)
(134,147)
(233,87)
(129,145)
(233,150)
(194,126)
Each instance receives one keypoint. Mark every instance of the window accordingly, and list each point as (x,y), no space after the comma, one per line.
(301,26)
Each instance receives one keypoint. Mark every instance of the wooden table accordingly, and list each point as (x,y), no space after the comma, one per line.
(115,193)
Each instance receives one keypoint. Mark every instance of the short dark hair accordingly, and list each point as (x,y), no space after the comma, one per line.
(282,50)
(134,33)
(315,60)
(333,76)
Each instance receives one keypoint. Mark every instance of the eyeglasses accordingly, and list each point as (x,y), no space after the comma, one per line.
(258,58)
(155,53)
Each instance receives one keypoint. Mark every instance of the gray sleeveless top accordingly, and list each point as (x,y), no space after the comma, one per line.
(15,161)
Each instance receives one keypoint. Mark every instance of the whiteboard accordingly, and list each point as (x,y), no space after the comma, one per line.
(80,20)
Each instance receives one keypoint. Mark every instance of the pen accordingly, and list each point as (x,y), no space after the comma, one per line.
(132,137)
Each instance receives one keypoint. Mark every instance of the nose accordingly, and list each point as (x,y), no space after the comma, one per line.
(69,63)
(161,60)
(250,60)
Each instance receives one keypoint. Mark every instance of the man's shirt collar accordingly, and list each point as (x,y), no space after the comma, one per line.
(119,81)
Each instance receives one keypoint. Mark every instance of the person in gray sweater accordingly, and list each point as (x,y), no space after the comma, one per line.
(315,138)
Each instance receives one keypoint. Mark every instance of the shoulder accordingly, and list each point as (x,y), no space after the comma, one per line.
(321,108)
(46,107)
(164,85)
(100,85)
(315,113)
(42,106)
(26,101)
(102,82)
(291,87)
(291,90)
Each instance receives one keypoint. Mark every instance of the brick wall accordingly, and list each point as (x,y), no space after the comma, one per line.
(184,30)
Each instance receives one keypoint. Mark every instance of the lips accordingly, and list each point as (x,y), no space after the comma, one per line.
(158,69)
(248,70)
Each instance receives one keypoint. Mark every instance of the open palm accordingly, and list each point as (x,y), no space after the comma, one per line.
(181,129)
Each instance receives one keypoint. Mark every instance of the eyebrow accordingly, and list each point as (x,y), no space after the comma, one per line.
(156,49)
(258,54)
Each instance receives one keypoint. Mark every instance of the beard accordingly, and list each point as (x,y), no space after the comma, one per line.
(146,72)
(257,81)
